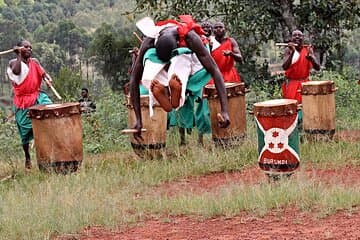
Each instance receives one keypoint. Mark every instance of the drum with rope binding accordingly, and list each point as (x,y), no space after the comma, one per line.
(58,136)
(155,134)
(278,136)
(237,113)
(318,106)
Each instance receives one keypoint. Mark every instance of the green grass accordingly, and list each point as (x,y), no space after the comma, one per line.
(114,187)
(106,189)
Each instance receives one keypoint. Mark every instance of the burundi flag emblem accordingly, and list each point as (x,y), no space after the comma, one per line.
(278,140)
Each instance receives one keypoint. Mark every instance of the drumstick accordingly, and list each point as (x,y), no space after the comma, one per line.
(137,37)
(7,51)
(132,130)
(287,45)
(52,88)
(220,118)
(10,50)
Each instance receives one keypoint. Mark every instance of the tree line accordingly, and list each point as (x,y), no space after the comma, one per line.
(68,36)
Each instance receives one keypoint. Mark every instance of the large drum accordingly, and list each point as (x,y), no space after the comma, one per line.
(318,106)
(58,136)
(278,136)
(155,135)
(237,113)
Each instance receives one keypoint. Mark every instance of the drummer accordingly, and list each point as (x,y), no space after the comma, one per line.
(226,52)
(26,75)
(298,61)
(180,43)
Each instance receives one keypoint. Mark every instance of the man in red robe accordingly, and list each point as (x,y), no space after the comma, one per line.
(298,61)
(225,52)
(26,75)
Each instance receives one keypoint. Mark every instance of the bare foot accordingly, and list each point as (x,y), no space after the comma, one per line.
(28,165)
(175,90)
(161,95)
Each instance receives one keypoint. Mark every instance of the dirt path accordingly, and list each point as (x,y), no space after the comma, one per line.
(282,224)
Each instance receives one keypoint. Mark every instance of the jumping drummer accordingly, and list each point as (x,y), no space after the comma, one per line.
(179,42)
(298,61)
(26,75)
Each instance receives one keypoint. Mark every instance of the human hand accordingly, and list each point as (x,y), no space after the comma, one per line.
(292,46)
(310,54)
(137,135)
(17,49)
(227,52)
(223,119)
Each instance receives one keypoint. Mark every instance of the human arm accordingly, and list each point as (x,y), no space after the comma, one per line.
(135,79)
(235,53)
(289,52)
(15,64)
(194,42)
(311,57)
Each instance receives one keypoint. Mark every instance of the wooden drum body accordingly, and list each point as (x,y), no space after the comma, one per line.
(155,135)
(318,106)
(237,113)
(278,136)
(58,136)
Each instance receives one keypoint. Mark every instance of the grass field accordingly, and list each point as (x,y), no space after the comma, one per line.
(115,187)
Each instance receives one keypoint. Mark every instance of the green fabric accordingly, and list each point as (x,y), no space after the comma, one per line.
(143,90)
(23,122)
(202,117)
(185,117)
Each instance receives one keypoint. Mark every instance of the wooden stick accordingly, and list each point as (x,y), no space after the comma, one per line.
(137,37)
(132,130)
(287,45)
(52,88)
(7,51)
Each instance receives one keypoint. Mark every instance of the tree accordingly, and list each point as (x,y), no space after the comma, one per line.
(111,51)
(256,22)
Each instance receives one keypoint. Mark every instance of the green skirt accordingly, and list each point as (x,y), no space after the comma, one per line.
(23,122)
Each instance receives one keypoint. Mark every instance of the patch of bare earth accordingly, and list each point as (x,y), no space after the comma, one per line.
(282,224)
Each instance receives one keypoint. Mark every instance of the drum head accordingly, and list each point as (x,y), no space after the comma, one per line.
(317,83)
(275,102)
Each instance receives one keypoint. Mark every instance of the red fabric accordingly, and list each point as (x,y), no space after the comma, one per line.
(226,64)
(296,74)
(186,25)
(27,92)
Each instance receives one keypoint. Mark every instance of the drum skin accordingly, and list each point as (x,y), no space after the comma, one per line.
(155,135)
(58,136)
(278,137)
(318,106)
(237,113)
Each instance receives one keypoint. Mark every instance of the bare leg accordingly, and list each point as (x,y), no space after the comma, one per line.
(182,136)
(175,90)
(161,95)
(27,155)
(201,139)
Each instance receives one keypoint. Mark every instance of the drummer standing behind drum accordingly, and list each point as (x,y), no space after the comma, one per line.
(298,61)
(225,52)
(26,75)
(174,74)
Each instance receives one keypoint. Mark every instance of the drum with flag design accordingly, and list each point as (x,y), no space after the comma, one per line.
(318,106)
(278,136)
(237,113)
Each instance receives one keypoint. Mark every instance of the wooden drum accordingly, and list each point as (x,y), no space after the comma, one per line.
(318,106)
(278,136)
(155,135)
(237,113)
(58,136)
